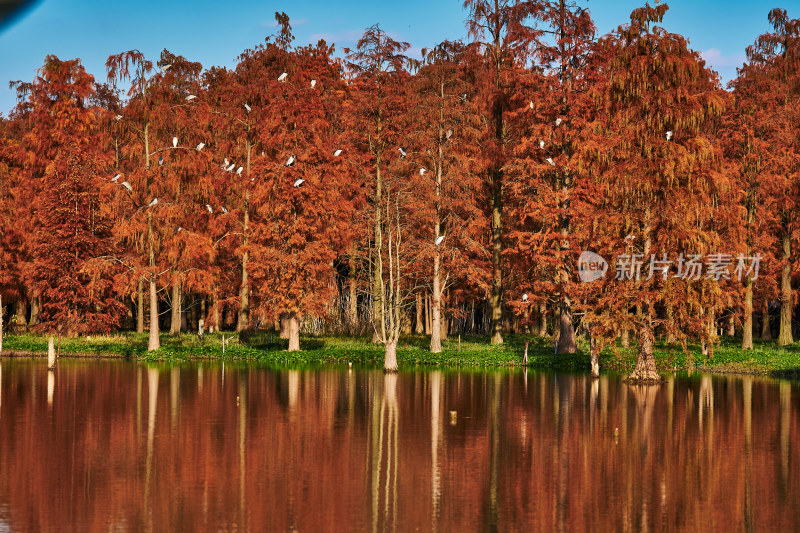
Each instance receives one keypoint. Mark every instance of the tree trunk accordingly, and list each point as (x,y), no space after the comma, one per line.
(243,322)
(352,308)
(645,362)
(766,330)
(294,332)
(566,339)
(35,309)
(140,306)
(785,334)
(201,322)
(1,324)
(175,322)
(625,338)
(390,356)
(594,350)
(496,296)
(285,326)
(51,354)
(21,318)
(153,342)
(428,318)
(419,326)
(436,301)
(542,332)
(747,332)
(731,325)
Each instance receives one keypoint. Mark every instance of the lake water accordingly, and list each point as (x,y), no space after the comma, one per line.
(124,446)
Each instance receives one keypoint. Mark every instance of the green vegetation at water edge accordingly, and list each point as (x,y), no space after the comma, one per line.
(470,351)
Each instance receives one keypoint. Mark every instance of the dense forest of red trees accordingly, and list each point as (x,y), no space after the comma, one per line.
(375,193)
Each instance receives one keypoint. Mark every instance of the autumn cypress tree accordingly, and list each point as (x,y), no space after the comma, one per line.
(657,176)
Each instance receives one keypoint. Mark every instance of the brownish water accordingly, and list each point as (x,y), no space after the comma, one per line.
(120,446)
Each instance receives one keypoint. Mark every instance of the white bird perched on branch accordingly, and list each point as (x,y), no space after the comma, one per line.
(313,83)
(210,209)
(174,142)
(190,98)
(337,153)
(225,164)
(164,68)
(525,297)
(422,171)
(669,135)
(200,146)
(290,161)
(448,134)
(230,167)
(558,121)
(127,186)
(247,108)
(224,210)
(439,240)
(153,202)
(550,160)
(299,182)
(116,177)
(541,144)
(118,117)
(530,105)
(282,77)
(402,151)
(239,170)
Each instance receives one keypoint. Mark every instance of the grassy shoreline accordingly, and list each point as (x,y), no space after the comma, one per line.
(475,351)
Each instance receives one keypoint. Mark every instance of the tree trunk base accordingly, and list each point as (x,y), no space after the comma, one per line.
(390,357)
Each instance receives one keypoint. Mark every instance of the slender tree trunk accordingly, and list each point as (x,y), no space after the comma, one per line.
(1,324)
(243,322)
(496,296)
(390,356)
(175,323)
(419,326)
(21,318)
(294,332)
(154,342)
(352,308)
(566,340)
(140,306)
(747,332)
(428,318)
(215,307)
(201,322)
(785,334)
(766,330)
(594,353)
(731,325)
(625,338)
(51,354)
(378,296)
(436,300)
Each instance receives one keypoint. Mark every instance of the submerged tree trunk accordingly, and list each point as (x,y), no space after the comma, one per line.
(390,356)
(175,322)
(785,334)
(645,369)
(51,354)
(566,339)
(140,306)
(294,332)
(747,332)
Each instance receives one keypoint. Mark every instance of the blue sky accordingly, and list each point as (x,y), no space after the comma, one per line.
(214,33)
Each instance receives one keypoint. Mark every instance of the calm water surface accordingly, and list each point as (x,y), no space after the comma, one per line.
(122,446)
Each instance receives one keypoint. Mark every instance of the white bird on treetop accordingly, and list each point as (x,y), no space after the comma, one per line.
(337,153)
(174,142)
(541,144)
(290,161)
(239,170)
(313,83)
(669,135)
(530,105)
(247,107)
(118,117)
(402,151)
(200,146)
(224,210)
(127,186)
(299,182)
(164,68)
(550,160)
(190,98)
(558,121)
(116,177)
(439,240)
(282,77)
(231,167)
(209,208)
(422,171)
(153,202)
(525,297)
